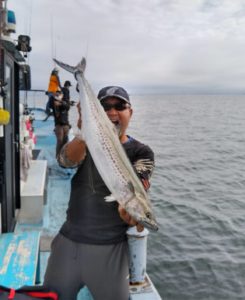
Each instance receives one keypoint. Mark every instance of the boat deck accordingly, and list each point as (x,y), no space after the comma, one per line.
(54,209)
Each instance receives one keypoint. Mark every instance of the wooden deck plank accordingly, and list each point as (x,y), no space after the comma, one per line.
(19,254)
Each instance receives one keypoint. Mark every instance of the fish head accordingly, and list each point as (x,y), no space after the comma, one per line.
(140,209)
(149,221)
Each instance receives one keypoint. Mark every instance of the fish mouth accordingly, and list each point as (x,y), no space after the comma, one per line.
(149,224)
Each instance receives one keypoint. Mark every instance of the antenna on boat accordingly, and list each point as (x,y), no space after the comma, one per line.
(86,48)
(3,16)
(30,23)
(86,51)
(53,41)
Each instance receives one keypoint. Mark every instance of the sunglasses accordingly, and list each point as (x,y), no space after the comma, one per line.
(120,106)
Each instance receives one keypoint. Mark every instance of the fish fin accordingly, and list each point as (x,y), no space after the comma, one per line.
(110,198)
(64,66)
(79,68)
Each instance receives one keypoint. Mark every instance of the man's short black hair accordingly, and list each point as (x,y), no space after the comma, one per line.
(67,83)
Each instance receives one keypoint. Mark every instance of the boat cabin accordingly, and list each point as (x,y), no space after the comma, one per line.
(13,77)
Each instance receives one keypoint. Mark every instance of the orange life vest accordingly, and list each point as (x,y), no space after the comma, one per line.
(53,84)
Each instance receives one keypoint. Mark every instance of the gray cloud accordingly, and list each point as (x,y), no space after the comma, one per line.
(171,45)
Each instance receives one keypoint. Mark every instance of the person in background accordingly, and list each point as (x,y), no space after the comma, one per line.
(66,91)
(53,86)
(91,247)
(60,106)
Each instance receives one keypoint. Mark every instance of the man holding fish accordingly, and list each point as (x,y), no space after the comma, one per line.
(91,247)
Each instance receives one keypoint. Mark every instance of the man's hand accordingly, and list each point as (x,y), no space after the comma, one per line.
(128,219)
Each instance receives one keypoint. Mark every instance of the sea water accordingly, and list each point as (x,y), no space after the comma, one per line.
(198,193)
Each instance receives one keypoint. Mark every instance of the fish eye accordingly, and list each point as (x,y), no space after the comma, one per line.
(148,214)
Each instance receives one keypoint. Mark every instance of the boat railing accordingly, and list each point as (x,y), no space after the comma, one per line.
(35,98)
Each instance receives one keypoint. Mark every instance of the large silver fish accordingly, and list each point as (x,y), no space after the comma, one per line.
(108,154)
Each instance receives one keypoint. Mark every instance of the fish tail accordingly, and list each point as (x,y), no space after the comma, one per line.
(78,69)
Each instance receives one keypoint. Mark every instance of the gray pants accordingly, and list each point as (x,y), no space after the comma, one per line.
(102,268)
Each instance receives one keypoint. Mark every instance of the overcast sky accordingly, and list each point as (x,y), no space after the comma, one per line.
(177,46)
